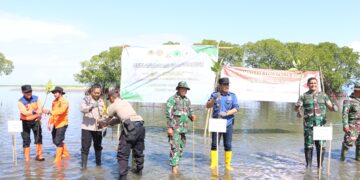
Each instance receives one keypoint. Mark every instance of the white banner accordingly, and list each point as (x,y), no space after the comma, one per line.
(268,85)
(152,74)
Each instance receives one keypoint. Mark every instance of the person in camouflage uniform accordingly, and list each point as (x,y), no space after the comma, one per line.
(351,123)
(178,112)
(314,104)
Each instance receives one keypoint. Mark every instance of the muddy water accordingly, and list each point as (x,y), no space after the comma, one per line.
(267,144)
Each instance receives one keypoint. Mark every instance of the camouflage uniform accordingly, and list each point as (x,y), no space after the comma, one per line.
(351,125)
(314,115)
(178,112)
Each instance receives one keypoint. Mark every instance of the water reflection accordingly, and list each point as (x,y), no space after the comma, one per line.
(267,144)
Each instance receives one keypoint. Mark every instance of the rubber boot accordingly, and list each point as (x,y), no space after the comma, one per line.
(58,155)
(98,158)
(39,152)
(84,158)
(344,151)
(213,159)
(27,154)
(308,156)
(65,152)
(318,156)
(228,157)
(357,153)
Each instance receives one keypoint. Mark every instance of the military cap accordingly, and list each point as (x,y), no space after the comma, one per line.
(182,84)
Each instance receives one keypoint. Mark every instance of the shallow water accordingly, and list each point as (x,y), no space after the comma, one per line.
(267,144)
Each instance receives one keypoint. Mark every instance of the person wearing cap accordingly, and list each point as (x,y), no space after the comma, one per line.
(30,114)
(132,134)
(315,104)
(351,123)
(178,112)
(225,105)
(59,120)
(93,108)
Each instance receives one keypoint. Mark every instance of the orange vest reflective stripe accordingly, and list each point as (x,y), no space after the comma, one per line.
(30,105)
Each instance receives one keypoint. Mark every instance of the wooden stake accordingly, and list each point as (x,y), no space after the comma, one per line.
(320,165)
(329,158)
(193,137)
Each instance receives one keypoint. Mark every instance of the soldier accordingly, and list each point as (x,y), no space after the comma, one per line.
(314,104)
(178,112)
(351,123)
(132,135)
(225,105)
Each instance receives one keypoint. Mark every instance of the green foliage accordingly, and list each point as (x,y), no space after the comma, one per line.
(171,43)
(103,69)
(339,64)
(6,66)
(49,87)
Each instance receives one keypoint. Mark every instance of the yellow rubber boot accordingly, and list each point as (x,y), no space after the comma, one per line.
(213,159)
(65,152)
(27,153)
(58,155)
(39,152)
(228,157)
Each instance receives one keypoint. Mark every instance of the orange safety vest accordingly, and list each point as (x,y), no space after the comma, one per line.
(59,112)
(28,108)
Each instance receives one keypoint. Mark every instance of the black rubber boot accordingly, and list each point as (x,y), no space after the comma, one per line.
(308,156)
(357,153)
(344,150)
(318,156)
(98,158)
(84,158)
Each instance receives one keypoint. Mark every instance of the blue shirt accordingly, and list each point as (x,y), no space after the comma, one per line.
(224,104)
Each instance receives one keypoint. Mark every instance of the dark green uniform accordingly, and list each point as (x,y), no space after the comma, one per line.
(314,105)
(351,125)
(178,112)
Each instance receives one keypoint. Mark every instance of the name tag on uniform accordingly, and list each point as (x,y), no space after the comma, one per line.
(217,125)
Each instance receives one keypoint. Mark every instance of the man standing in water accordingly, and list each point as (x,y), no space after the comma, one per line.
(314,104)
(30,115)
(92,107)
(178,112)
(351,123)
(132,135)
(59,119)
(225,105)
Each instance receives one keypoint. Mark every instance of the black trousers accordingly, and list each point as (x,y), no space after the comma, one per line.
(58,136)
(36,129)
(86,137)
(137,146)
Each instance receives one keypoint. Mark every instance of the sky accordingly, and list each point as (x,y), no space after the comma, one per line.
(47,40)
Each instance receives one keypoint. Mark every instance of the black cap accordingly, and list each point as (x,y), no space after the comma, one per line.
(26,88)
(113,93)
(224,80)
(58,89)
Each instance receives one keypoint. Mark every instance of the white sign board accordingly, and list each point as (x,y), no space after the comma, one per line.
(217,125)
(15,126)
(152,74)
(323,133)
